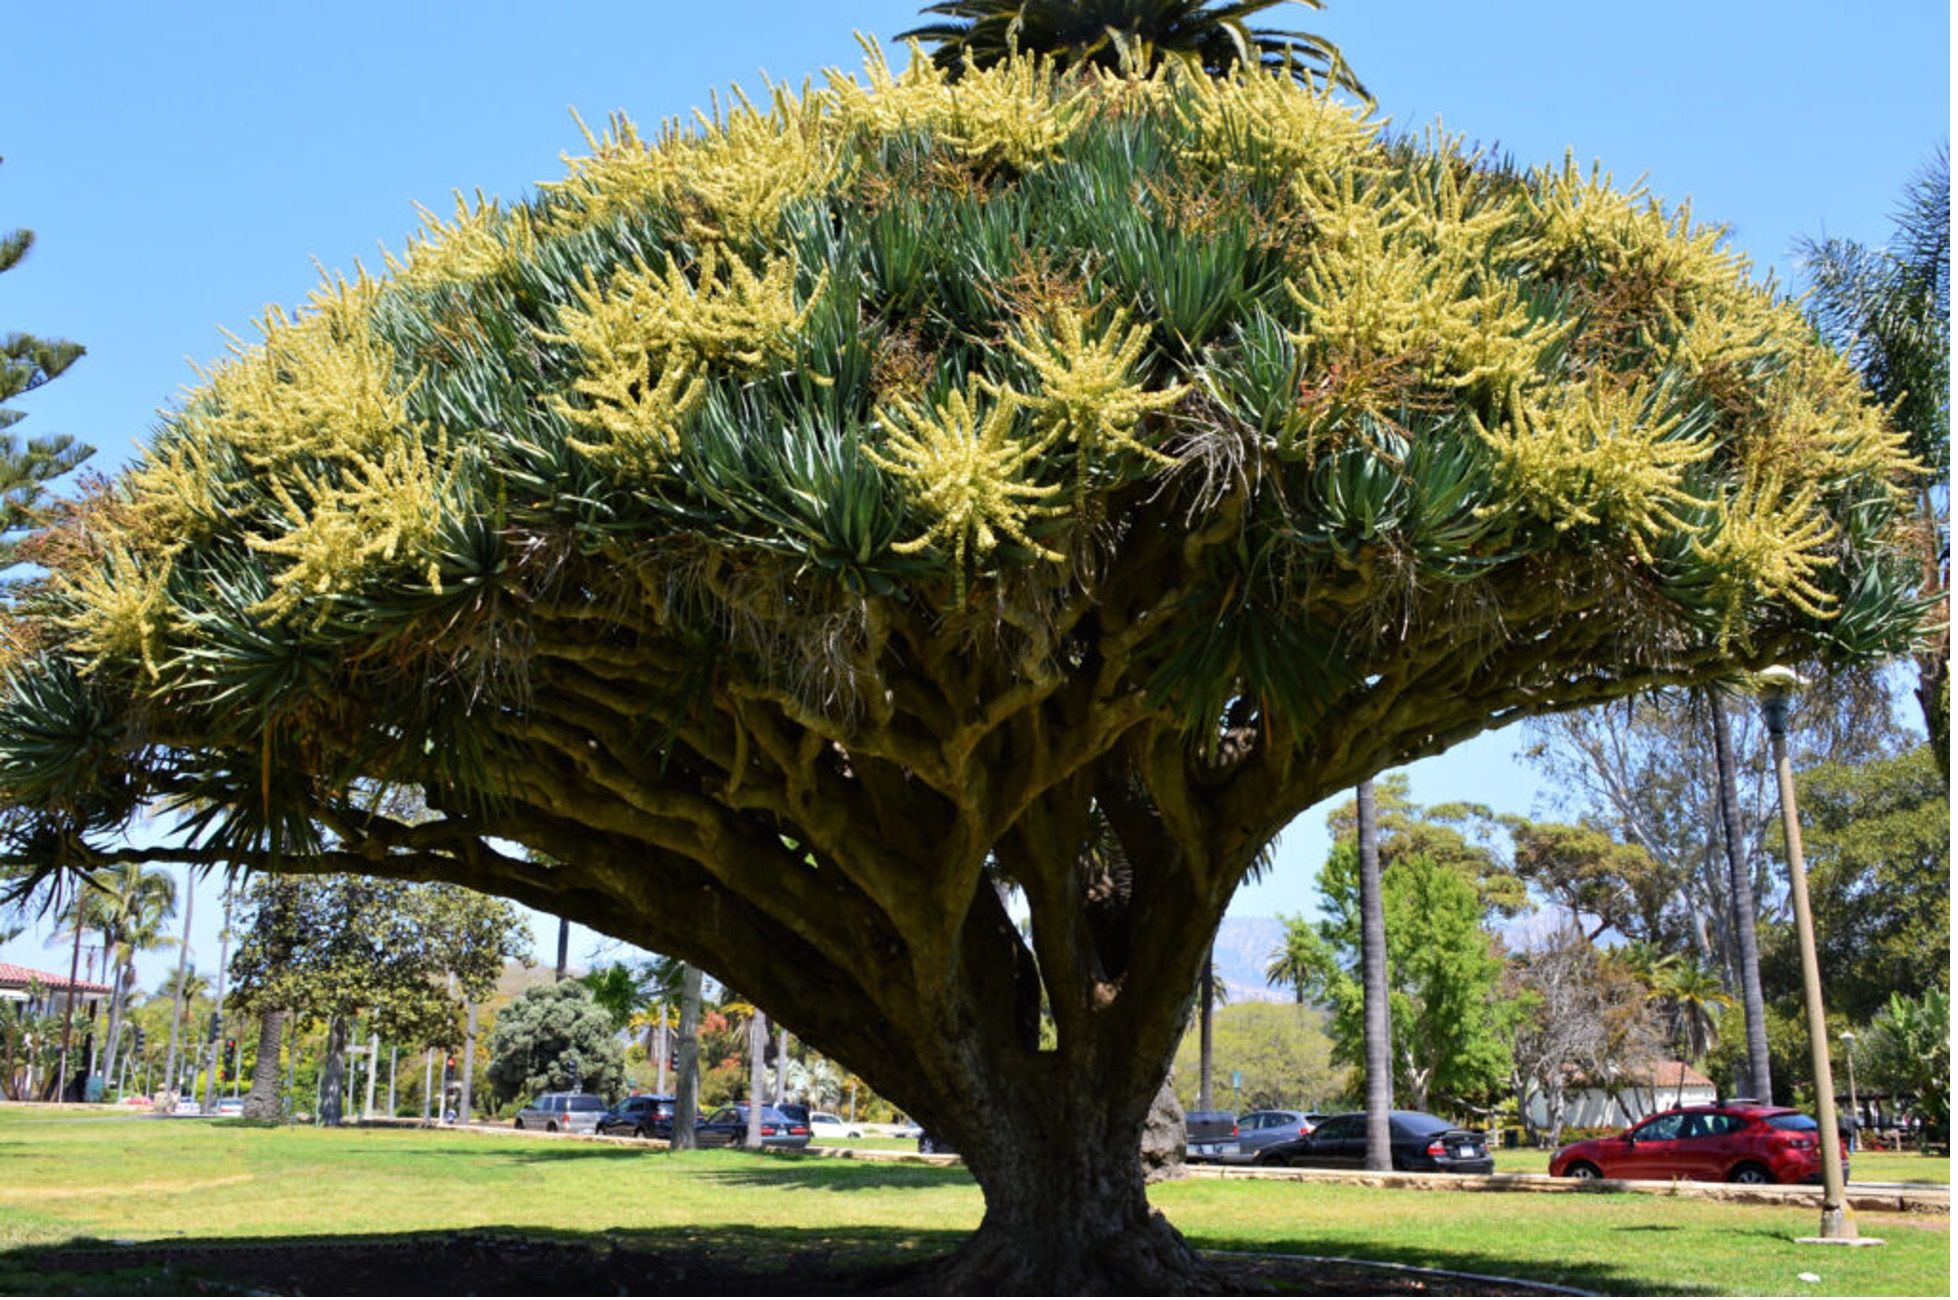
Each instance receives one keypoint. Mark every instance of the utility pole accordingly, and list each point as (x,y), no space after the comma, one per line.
(217,1009)
(428,1080)
(394,1062)
(1837,1225)
(373,1060)
(468,1061)
(68,1010)
(781,1064)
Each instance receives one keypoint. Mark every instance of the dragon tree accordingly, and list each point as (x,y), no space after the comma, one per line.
(785,540)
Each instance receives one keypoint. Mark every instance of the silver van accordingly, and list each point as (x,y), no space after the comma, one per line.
(563,1112)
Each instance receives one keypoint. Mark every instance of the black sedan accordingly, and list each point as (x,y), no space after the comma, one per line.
(1417,1141)
(644,1116)
(728,1126)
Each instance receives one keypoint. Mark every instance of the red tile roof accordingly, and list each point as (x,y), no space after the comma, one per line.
(19,977)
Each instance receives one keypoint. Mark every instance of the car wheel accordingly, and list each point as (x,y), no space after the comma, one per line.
(639,1133)
(519,1123)
(551,1127)
(1584,1172)
(1750,1173)
(927,1147)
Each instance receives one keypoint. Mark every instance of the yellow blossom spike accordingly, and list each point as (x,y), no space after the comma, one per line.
(1769,545)
(965,469)
(124,610)
(1086,396)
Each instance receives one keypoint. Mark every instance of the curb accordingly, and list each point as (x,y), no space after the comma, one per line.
(1884,1198)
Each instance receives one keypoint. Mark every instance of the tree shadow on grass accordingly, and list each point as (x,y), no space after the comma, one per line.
(1627,1278)
(500,1260)
(840,1175)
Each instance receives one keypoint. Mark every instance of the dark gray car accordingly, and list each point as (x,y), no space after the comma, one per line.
(1261,1129)
(563,1112)
(1209,1135)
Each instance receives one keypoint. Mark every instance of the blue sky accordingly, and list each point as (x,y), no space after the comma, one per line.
(183,166)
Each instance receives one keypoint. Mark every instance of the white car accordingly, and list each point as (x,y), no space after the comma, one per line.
(822,1124)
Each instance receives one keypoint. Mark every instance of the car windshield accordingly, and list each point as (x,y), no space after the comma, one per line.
(586,1102)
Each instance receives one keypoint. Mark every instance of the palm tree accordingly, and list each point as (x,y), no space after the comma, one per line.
(1696,999)
(1740,896)
(1291,961)
(1889,310)
(1206,1004)
(1373,983)
(1129,35)
(129,905)
(686,1085)
(183,956)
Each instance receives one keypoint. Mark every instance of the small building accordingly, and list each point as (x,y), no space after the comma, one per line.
(1657,1086)
(44,991)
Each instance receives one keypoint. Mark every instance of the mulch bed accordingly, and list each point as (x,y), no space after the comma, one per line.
(486,1264)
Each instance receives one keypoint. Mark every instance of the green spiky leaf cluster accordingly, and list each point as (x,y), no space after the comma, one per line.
(1204,391)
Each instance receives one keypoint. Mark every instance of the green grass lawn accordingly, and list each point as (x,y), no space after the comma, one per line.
(69,1178)
(1864,1166)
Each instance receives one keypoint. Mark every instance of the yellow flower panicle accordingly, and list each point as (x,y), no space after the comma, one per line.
(1613,456)
(647,339)
(1087,396)
(122,610)
(481,241)
(1769,544)
(384,510)
(1588,228)
(1407,287)
(1014,112)
(965,469)
(1264,124)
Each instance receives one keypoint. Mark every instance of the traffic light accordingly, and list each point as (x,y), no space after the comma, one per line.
(139,1040)
(230,1066)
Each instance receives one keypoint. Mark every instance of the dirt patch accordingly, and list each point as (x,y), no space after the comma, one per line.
(482,1264)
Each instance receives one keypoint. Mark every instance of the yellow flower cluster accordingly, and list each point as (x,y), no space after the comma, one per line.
(1013,112)
(1588,228)
(381,511)
(1264,124)
(320,384)
(1586,454)
(731,177)
(646,339)
(123,610)
(481,241)
(1769,544)
(1403,286)
(968,471)
(1086,395)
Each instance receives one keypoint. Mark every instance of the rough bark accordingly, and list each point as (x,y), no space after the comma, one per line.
(1373,977)
(1740,894)
(1165,1139)
(333,1074)
(686,1061)
(263,1101)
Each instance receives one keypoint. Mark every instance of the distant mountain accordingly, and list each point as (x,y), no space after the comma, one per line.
(1244,948)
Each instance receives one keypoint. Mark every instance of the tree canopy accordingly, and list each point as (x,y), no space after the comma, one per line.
(555,1038)
(796,523)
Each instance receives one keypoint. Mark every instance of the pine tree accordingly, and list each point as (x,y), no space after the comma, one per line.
(28,361)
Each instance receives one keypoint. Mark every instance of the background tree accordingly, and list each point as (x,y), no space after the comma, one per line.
(1889,310)
(1878,836)
(27,362)
(1908,1050)
(1376,1009)
(1129,36)
(1283,1054)
(825,514)
(554,1038)
(405,955)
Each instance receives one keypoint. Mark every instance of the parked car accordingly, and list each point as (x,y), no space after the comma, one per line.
(1209,1135)
(649,1115)
(563,1112)
(831,1128)
(1730,1142)
(1416,1141)
(231,1106)
(1262,1129)
(728,1126)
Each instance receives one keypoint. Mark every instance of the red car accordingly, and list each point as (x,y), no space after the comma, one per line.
(1730,1143)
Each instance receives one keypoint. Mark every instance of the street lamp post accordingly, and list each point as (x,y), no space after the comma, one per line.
(1837,1226)
(1855,1111)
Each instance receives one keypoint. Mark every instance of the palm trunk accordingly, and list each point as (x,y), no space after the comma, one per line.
(217,1007)
(466,1107)
(177,1003)
(373,1072)
(262,1102)
(1373,978)
(686,1086)
(563,948)
(757,1076)
(333,1075)
(1205,1014)
(1740,892)
(115,982)
(781,1065)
